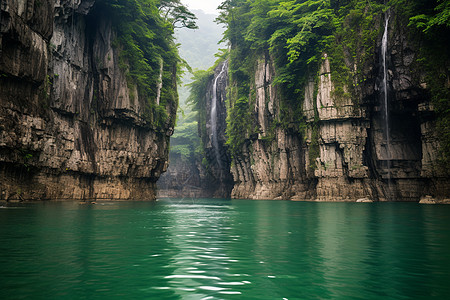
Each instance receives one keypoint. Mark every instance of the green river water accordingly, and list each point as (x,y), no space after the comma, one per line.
(224,249)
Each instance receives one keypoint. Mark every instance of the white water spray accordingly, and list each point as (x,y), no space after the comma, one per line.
(214,135)
(384,44)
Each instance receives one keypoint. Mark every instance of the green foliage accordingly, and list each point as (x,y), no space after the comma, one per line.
(197,97)
(177,14)
(145,40)
(185,142)
(296,34)
(238,125)
(198,88)
(308,29)
(26,157)
(198,48)
(433,19)
(197,100)
(354,41)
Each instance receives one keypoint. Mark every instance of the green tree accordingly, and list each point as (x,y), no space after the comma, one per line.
(177,14)
(149,54)
(296,33)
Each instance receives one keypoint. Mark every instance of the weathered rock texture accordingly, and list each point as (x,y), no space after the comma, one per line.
(272,165)
(207,177)
(69,126)
(342,154)
(219,178)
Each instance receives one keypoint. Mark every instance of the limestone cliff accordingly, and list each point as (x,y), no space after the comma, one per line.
(272,164)
(72,125)
(342,153)
(213,138)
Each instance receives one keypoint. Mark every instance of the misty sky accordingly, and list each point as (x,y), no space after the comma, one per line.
(208,6)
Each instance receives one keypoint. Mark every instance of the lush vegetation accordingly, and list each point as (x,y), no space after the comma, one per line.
(145,38)
(197,99)
(197,47)
(296,34)
(186,141)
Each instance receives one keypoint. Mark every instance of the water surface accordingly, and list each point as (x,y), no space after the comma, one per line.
(224,249)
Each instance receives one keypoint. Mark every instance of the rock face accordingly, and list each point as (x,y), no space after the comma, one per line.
(272,164)
(209,177)
(186,178)
(343,155)
(216,154)
(71,127)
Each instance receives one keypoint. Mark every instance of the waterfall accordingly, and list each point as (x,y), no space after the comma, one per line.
(384,44)
(214,135)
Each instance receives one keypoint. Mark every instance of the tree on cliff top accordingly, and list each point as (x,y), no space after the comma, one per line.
(149,55)
(177,14)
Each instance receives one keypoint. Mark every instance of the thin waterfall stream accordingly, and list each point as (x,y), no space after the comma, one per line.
(214,137)
(384,45)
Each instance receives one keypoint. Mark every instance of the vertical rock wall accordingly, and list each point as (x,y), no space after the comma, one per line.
(341,138)
(71,127)
(218,176)
(272,164)
(343,154)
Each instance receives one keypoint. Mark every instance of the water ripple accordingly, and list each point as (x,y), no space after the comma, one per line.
(192,277)
(214,249)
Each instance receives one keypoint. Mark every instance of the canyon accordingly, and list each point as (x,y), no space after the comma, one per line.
(74,124)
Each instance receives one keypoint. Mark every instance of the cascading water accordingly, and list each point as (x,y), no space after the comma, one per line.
(384,44)
(214,135)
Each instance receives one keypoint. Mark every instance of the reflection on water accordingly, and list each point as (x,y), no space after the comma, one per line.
(223,249)
(200,232)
